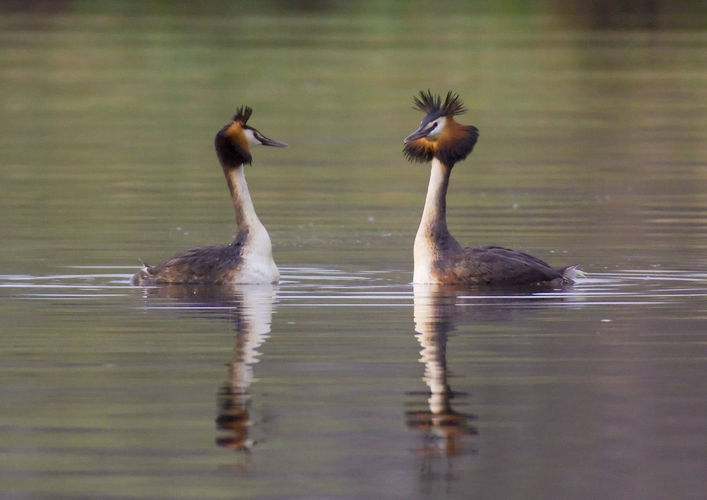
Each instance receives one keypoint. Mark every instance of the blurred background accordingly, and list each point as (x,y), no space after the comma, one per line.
(341,382)
(592,120)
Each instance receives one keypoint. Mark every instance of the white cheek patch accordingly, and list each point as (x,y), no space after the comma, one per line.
(438,129)
(250,137)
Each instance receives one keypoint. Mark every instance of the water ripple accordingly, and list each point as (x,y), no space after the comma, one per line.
(331,287)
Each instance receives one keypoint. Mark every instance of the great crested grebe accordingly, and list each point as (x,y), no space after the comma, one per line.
(439,258)
(249,258)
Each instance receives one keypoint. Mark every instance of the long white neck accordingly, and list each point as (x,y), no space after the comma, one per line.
(246,218)
(259,266)
(434,215)
(433,240)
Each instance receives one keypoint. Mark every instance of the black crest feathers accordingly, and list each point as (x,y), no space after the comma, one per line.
(243,114)
(431,104)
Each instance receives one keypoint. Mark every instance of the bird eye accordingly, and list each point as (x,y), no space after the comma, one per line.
(434,124)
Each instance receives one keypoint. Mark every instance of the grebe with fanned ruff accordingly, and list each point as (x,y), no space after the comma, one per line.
(438,257)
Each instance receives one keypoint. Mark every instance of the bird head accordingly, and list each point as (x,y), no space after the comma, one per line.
(439,135)
(234,141)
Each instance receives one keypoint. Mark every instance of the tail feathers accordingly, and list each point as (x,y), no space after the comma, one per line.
(572,273)
(143,276)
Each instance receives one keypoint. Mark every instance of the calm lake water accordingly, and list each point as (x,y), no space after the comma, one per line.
(345,381)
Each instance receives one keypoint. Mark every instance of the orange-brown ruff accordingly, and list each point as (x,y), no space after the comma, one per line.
(248,259)
(439,258)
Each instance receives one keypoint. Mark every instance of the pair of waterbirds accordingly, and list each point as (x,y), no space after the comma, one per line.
(438,257)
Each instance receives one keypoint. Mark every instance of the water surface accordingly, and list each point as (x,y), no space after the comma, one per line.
(345,381)
(338,375)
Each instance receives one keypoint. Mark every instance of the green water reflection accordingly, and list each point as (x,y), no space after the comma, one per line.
(589,140)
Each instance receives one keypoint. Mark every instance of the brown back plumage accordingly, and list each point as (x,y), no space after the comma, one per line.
(210,264)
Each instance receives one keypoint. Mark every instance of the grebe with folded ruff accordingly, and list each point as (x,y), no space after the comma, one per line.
(248,259)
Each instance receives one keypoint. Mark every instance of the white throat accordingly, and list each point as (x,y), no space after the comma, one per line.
(258,265)
(432,237)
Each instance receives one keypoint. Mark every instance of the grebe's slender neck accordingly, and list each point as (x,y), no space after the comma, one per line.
(433,225)
(252,241)
(246,218)
(434,246)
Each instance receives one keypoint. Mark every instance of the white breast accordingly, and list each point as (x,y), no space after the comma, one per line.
(258,265)
(424,261)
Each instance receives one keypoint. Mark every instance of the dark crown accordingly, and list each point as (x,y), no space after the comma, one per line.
(242,114)
(428,103)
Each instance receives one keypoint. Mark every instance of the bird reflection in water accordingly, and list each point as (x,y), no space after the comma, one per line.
(252,327)
(437,311)
(444,430)
(251,307)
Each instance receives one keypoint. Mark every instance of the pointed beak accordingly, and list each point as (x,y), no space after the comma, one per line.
(417,134)
(271,142)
